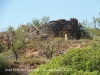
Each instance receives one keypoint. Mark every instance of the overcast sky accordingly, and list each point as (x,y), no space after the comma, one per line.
(16,12)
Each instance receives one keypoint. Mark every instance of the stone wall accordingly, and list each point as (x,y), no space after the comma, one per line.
(48,30)
(55,27)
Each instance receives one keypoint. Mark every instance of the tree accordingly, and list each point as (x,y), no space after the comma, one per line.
(45,19)
(10,28)
(82,31)
(36,22)
(18,42)
(96,22)
(29,24)
(48,49)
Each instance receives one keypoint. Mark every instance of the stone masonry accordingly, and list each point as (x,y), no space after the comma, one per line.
(47,30)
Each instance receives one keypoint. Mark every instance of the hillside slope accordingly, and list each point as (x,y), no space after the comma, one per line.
(84,61)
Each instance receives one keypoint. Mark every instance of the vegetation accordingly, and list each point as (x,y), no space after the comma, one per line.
(48,49)
(76,61)
(5,66)
(96,22)
(85,61)
(18,42)
(37,22)
(45,19)
(10,28)
(82,32)
(1,47)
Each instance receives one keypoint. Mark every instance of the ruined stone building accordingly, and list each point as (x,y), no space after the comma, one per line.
(47,30)
(53,28)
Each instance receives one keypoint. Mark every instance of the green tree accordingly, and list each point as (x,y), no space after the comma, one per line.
(48,48)
(45,19)
(82,31)
(36,22)
(29,24)
(10,28)
(18,42)
(96,22)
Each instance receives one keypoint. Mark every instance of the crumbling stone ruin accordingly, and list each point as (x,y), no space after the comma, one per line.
(53,28)
(47,30)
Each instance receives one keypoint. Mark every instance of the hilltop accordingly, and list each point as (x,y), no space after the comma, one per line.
(27,47)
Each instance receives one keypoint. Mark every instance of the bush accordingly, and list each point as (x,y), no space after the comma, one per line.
(1,48)
(81,72)
(4,65)
(82,32)
(93,32)
(3,62)
(84,61)
(18,42)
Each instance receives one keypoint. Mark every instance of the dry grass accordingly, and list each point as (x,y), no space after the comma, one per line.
(29,61)
(32,62)
(59,44)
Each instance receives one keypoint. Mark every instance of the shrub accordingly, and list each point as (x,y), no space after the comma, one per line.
(3,62)
(84,61)
(4,65)
(93,32)
(81,72)
(82,32)
(1,48)
(18,42)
